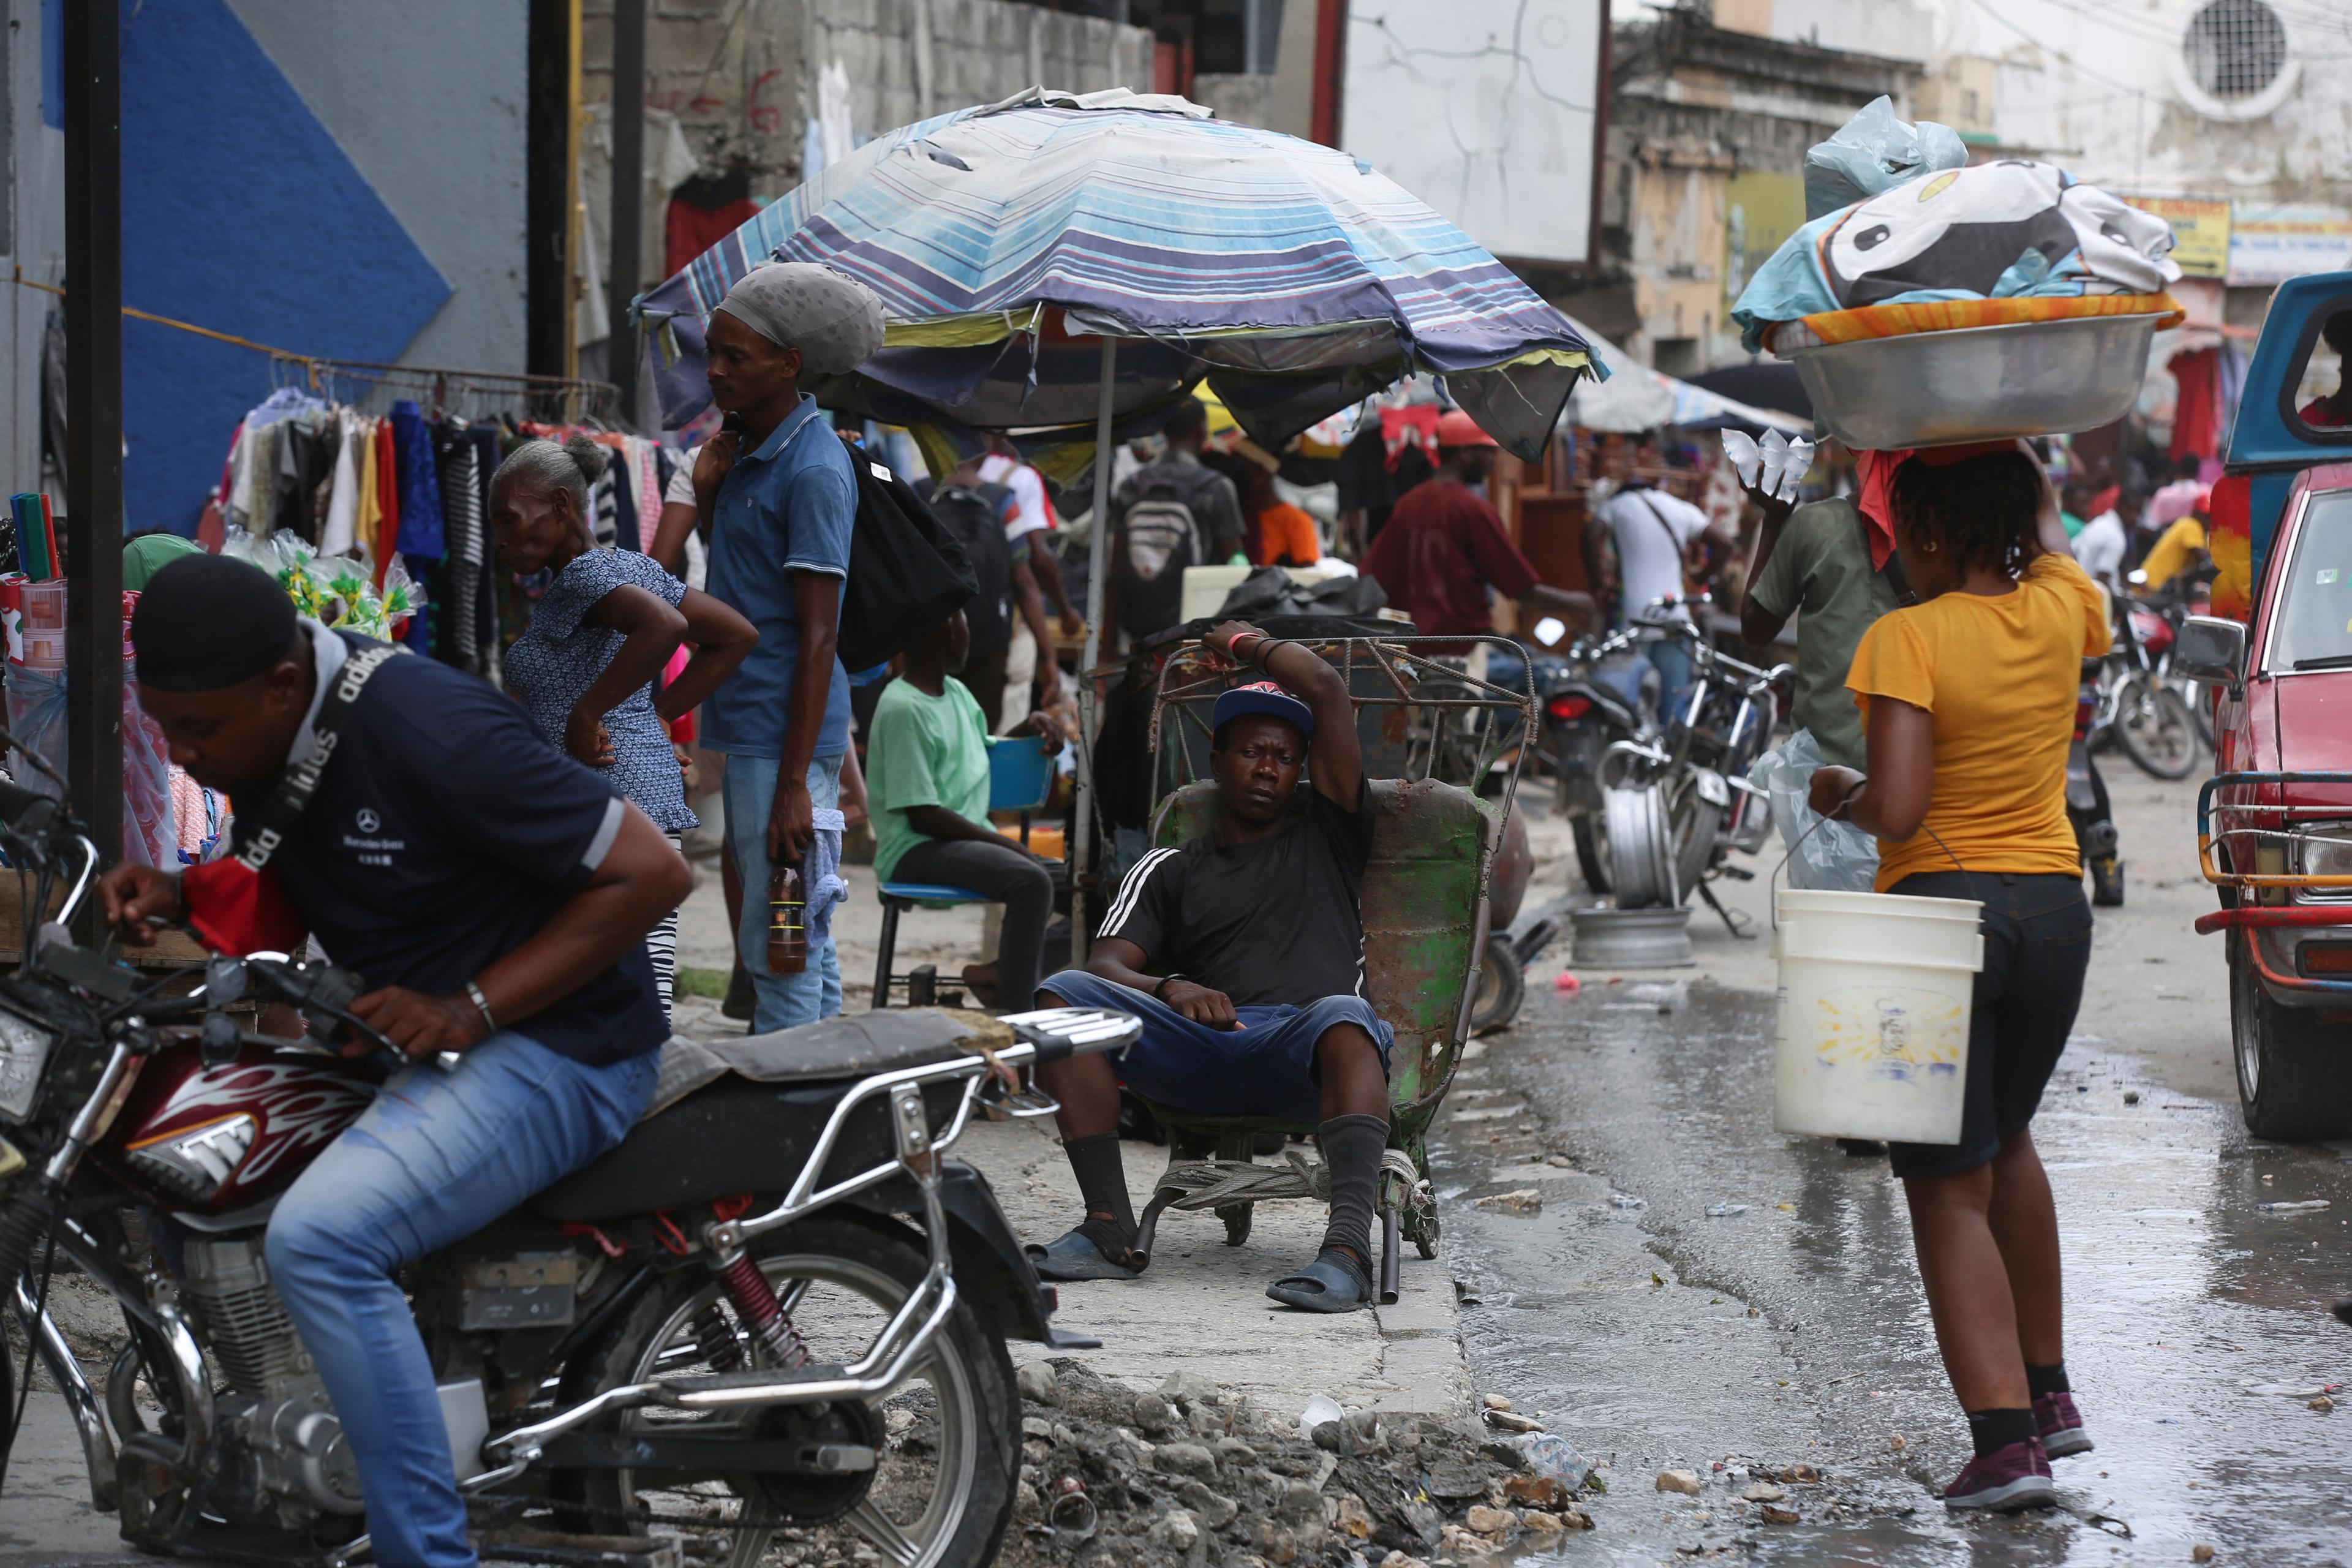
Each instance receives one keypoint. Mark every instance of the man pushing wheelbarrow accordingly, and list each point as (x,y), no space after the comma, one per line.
(1241,948)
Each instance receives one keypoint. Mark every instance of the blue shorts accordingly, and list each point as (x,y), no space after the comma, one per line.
(1267,1068)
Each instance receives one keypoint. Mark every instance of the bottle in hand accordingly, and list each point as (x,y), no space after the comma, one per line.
(787,921)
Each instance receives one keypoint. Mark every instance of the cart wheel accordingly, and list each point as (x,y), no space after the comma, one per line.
(1420,1227)
(1237,1221)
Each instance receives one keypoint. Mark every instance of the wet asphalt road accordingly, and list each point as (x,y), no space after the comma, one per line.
(1795,1332)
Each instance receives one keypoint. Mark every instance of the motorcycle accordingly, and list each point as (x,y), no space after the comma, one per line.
(775,1314)
(2139,706)
(2086,797)
(1610,695)
(1685,795)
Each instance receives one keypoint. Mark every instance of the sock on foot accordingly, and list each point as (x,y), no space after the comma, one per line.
(1352,1146)
(1102,1181)
(2042,1379)
(1993,1430)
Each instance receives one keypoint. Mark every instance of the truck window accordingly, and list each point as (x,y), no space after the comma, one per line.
(2322,400)
(2314,624)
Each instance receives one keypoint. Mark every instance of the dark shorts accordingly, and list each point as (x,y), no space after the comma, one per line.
(2037,940)
(1267,1068)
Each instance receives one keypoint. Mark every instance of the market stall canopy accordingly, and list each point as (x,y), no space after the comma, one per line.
(1296,277)
(1635,398)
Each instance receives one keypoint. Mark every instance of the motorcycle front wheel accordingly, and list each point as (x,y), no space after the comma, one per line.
(947,1442)
(2156,730)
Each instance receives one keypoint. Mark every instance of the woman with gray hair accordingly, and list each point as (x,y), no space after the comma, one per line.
(602,630)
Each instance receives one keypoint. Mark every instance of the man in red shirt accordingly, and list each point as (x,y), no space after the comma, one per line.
(1444,548)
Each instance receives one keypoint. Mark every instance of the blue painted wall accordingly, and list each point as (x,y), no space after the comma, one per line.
(240,212)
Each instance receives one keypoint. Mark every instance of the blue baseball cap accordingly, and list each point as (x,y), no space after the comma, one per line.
(1263,697)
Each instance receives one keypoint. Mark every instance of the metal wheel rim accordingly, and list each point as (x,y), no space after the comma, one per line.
(918,1545)
(1640,852)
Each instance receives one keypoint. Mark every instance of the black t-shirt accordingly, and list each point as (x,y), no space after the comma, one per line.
(1273,920)
(445,833)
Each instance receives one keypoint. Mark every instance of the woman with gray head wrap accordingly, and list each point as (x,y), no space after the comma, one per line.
(835,322)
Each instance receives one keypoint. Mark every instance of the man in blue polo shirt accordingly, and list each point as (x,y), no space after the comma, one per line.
(782,498)
(494,895)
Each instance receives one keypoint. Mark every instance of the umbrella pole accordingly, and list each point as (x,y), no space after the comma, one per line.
(1097,556)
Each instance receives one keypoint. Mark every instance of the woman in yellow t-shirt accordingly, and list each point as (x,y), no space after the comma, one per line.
(1968,702)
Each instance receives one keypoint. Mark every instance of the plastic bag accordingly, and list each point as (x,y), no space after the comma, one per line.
(1873,152)
(36,717)
(1823,856)
(1777,466)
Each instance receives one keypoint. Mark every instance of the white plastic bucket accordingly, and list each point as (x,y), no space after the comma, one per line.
(1875,993)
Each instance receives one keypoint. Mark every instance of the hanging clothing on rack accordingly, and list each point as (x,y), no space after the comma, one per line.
(461,517)
(340,530)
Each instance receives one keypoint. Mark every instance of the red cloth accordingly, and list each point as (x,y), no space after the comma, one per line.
(690,230)
(1876,497)
(388,501)
(2197,415)
(1442,549)
(1412,427)
(2320,412)
(237,910)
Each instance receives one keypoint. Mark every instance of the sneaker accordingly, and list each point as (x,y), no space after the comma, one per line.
(2007,1479)
(2061,1426)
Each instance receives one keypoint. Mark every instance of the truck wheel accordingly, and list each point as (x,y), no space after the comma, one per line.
(2294,1073)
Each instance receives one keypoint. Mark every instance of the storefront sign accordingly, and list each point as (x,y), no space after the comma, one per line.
(2200,231)
(2270,244)
(1761,208)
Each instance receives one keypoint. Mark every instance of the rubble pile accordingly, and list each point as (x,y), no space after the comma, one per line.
(1192,1474)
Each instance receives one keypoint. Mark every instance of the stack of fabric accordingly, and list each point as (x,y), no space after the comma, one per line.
(1902,235)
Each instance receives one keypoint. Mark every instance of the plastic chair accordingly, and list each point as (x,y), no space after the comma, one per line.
(1020,778)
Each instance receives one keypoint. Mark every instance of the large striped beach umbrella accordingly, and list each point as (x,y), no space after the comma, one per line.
(1064,267)
(1008,242)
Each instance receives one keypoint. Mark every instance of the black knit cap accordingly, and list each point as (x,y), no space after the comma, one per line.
(206,622)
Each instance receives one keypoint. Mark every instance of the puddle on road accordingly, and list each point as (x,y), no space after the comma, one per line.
(1628,1330)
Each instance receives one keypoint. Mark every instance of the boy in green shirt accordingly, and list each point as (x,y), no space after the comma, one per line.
(927,784)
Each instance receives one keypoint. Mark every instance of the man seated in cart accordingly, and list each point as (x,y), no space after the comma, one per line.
(1243,954)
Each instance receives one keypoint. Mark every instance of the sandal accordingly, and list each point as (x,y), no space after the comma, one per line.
(1073,1255)
(1334,1282)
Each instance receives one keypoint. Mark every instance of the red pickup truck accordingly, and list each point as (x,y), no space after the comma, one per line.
(2275,823)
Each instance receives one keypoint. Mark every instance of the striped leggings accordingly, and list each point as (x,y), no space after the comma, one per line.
(661,945)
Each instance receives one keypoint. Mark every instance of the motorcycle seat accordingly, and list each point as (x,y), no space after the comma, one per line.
(744,1115)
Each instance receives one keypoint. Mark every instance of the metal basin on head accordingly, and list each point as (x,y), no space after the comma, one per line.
(1978,384)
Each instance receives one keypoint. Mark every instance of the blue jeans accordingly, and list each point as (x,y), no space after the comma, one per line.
(785,1000)
(440,1154)
(1265,1068)
(1674,665)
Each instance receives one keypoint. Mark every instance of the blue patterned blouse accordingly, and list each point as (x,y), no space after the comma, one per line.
(560,654)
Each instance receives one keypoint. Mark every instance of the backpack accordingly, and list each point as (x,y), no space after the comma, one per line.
(1156,540)
(907,573)
(974,516)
